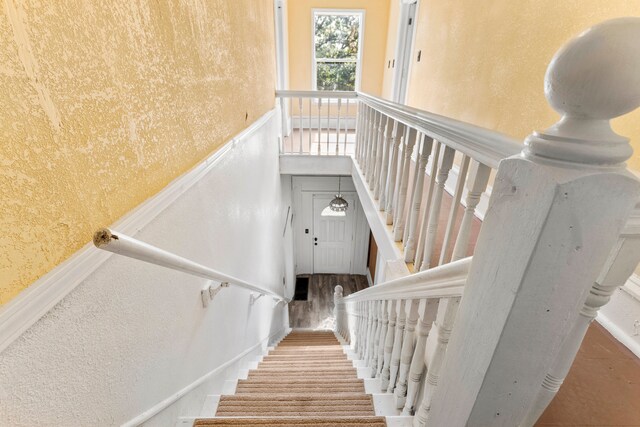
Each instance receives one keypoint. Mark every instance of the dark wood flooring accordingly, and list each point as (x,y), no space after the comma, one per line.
(317,311)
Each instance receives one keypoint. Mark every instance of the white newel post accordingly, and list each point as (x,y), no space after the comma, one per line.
(555,214)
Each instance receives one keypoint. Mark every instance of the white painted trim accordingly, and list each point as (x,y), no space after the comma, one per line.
(369,279)
(34,302)
(160,406)
(330,11)
(377,221)
(632,287)
(619,334)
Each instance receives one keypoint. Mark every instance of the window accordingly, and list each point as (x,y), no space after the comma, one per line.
(337,39)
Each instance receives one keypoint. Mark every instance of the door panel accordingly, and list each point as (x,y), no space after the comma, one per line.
(333,237)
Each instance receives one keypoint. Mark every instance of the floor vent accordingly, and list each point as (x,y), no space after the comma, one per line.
(302,289)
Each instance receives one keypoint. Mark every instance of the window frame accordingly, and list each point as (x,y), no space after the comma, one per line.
(358,60)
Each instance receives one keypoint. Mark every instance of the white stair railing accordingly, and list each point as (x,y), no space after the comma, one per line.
(380,322)
(552,248)
(321,122)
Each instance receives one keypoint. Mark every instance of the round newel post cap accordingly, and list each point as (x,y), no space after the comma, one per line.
(338,291)
(592,79)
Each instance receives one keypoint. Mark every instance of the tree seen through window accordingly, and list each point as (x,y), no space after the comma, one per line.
(337,42)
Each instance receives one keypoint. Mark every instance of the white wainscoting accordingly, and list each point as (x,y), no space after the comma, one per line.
(103,339)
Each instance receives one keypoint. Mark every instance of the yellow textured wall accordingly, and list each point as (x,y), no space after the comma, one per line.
(374,40)
(484,61)
(104,103)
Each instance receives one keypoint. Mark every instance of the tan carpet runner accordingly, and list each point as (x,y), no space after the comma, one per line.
(306,381)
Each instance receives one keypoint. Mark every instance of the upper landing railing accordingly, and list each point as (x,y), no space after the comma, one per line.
(395,145)
(498,332)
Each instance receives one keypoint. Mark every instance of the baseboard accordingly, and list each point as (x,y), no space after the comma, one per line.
(621,316)
(160,406)
(34,302)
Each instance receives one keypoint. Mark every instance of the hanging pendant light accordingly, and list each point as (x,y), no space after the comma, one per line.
(338,206)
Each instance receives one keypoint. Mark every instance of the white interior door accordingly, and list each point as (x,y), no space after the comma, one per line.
(332,237)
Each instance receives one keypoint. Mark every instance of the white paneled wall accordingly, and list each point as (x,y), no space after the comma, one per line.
(132,336)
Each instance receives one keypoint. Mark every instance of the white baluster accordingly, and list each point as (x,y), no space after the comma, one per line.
(384,144)
(453,212)
(310,131)
(476,185)
(416,371)
(379,153)
(370,330)
(346,128)
(388,347)
(319,131)
(411,188)
(436,349)
(373,353)
(378,333)
(328,122)
(397,346)
(422,232)
(432,229)
(399,217)
(412,236)
(338,128)
(383,337)
(358,130)
(393,170)
(406,355)
(300,126)
(374,149)
(369,133)
(386,160)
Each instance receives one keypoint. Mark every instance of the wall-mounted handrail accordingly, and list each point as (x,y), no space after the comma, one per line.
(445,281)
(484,145)
(121,244)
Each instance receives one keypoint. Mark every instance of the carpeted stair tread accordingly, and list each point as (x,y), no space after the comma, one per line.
(307,380)
(295,421)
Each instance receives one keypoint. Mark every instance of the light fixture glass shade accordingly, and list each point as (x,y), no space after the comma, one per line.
(337,207)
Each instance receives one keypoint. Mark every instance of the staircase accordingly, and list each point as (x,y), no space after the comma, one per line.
(306,380)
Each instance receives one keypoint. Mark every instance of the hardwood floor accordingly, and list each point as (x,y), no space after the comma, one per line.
(602,388)
(317,311)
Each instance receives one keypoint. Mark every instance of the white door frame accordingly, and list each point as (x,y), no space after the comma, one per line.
(404,48)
